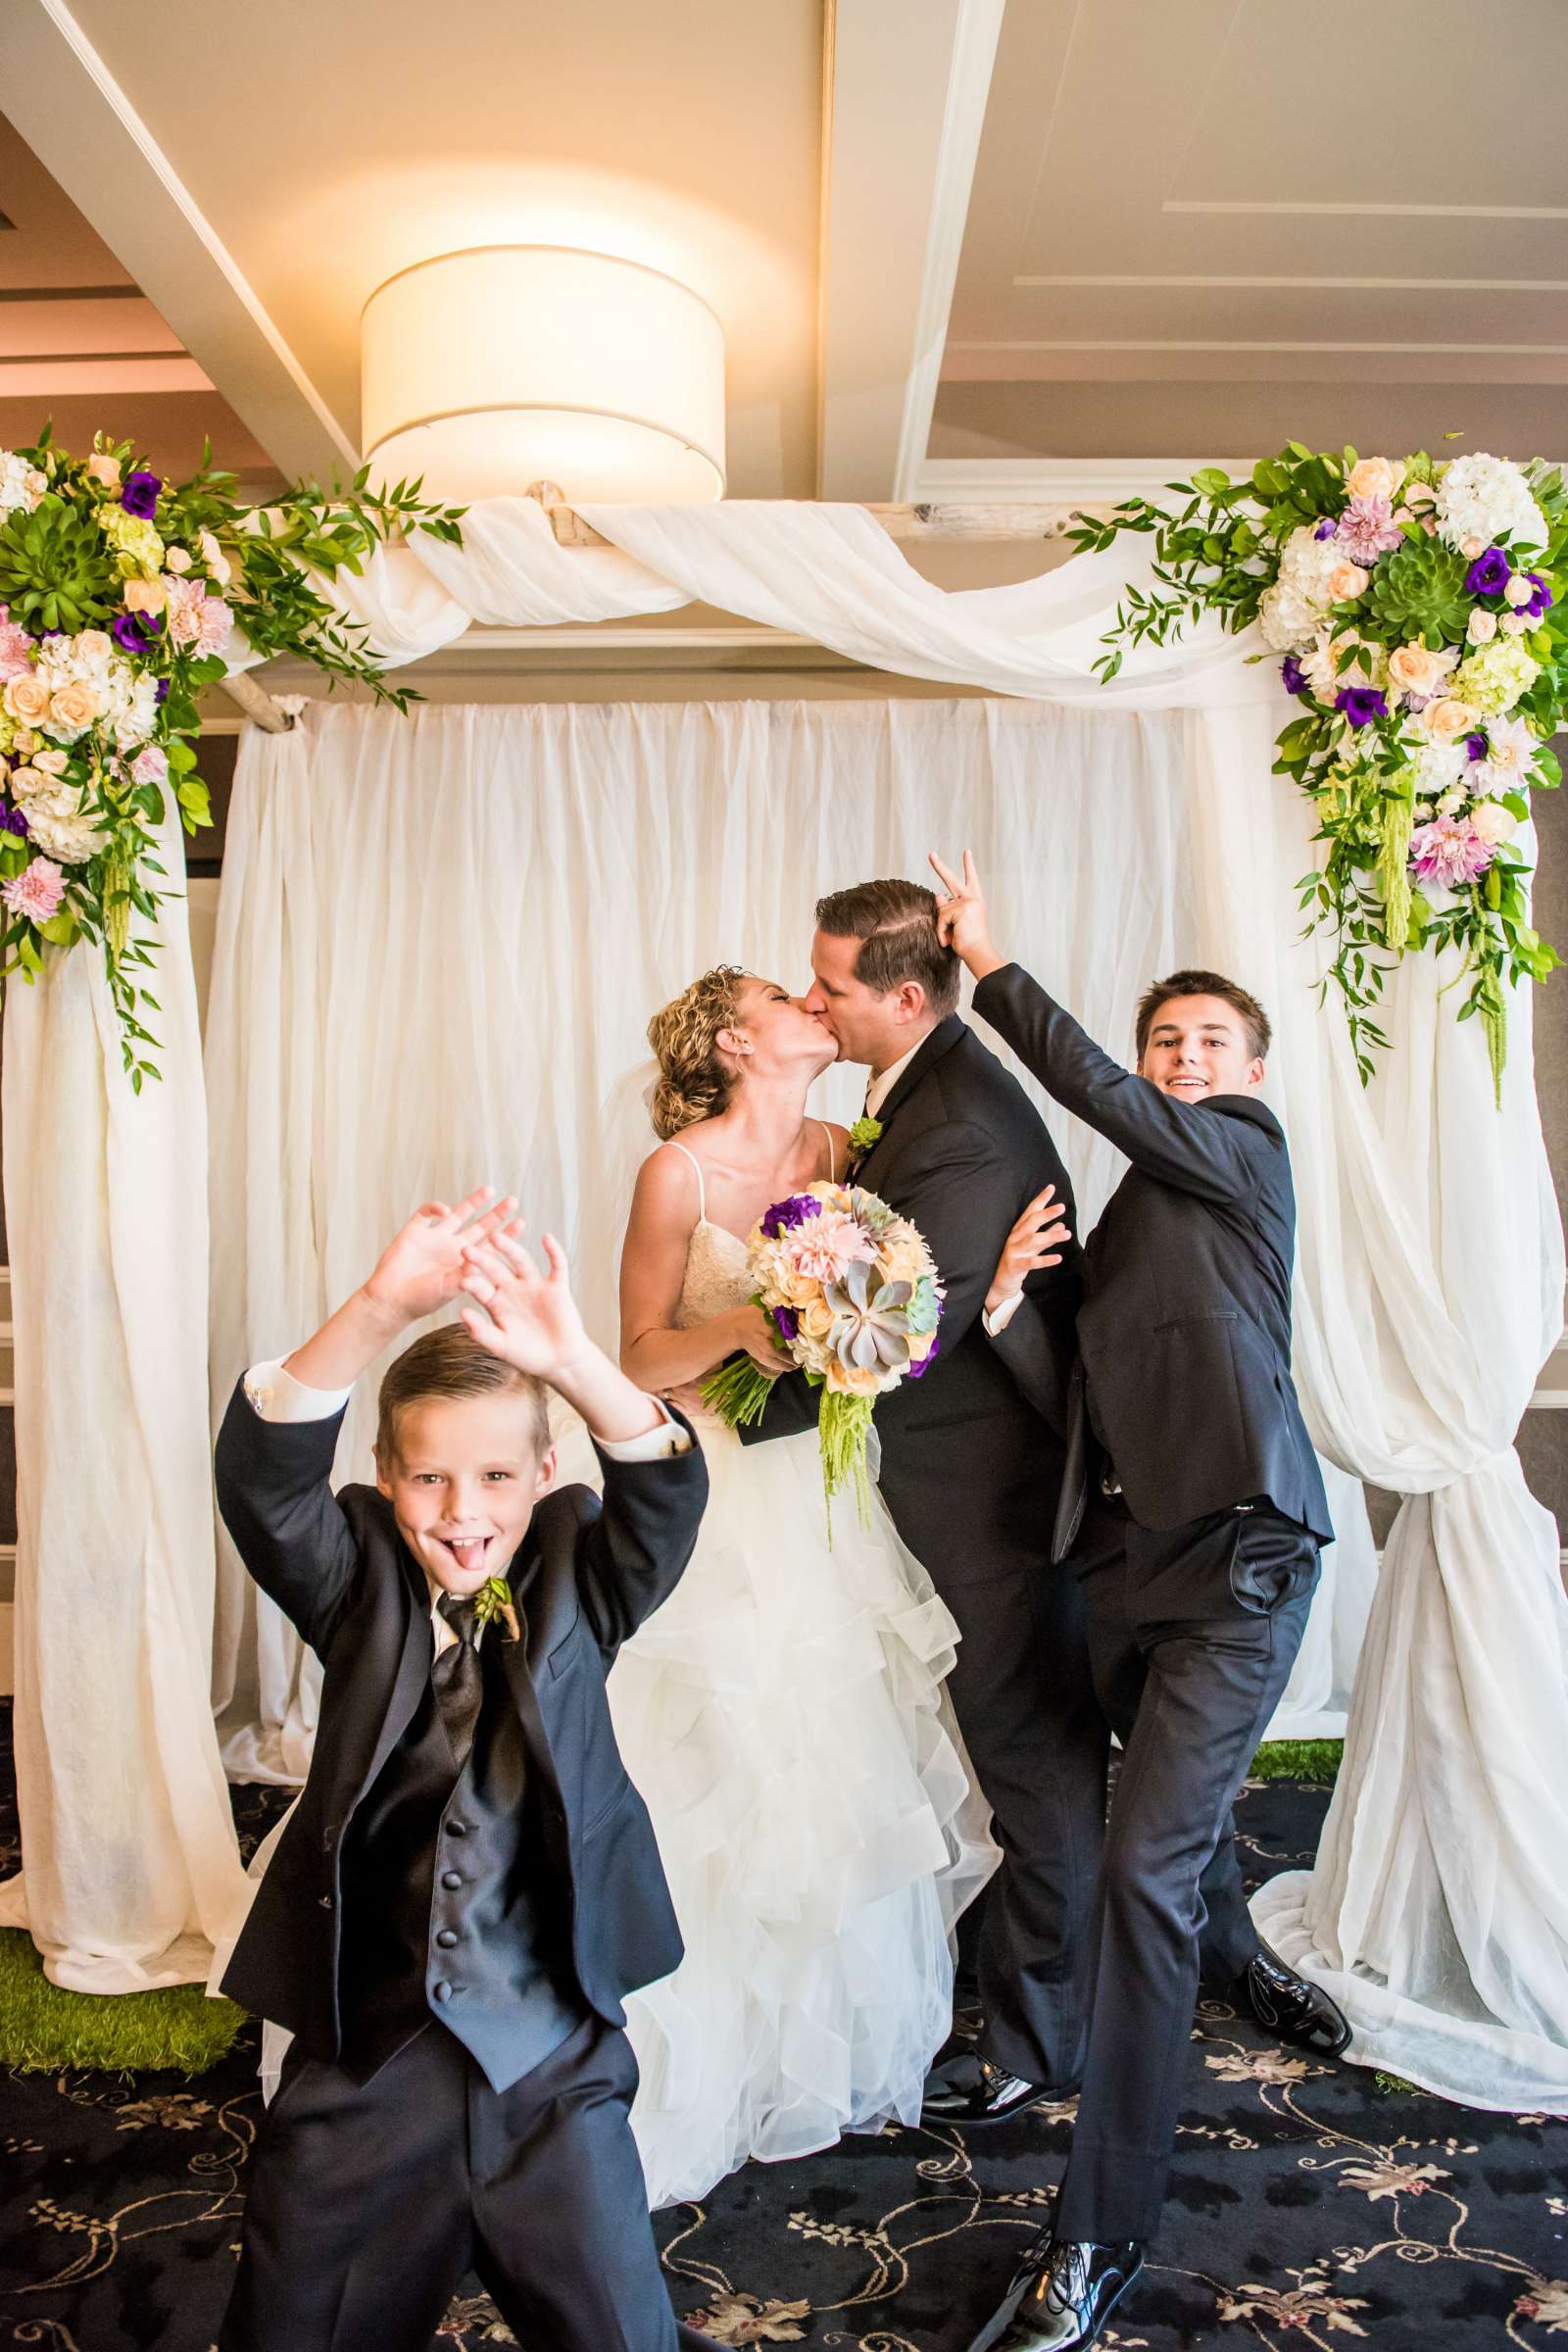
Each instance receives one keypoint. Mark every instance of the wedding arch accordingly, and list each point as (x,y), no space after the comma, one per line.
(1435,1909)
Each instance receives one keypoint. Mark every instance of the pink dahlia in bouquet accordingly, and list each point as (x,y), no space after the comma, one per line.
(854,1299)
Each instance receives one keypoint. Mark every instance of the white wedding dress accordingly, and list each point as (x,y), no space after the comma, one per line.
(784,1717)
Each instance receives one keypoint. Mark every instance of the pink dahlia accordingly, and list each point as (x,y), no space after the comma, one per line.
(1451,850)
(1367,529)
(215,621)
(36,892)
(16,647)
(825,1250)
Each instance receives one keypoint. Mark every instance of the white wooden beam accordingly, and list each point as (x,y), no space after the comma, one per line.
(904,104)
(83,129)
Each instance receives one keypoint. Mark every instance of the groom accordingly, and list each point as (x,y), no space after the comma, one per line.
(970,1471)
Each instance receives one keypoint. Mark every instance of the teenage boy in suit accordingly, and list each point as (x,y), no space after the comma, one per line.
(469,1882)
(1191,1515)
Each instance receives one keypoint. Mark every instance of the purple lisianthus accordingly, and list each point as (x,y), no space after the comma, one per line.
(139,496)
(162,695)
(1475,748)
(136,632)
(1361,705)
(785,1215)
(1326,528)
(918,1371)
(1292,676)
(788,1320)
(1539,601)
(1488,574)
(16,822)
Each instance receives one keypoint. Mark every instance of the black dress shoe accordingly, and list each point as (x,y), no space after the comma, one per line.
(1062,2297)
(1289,2006)
(966,2089)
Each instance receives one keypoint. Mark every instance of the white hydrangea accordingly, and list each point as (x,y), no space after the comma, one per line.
(57,825)
(21,484)
(1438,767)
(1488,499)
(1288,611)
(132,706)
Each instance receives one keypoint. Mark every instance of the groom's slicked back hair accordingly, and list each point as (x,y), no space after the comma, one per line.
(895,924)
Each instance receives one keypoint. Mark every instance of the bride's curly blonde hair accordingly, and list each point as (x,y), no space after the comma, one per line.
(694,1082)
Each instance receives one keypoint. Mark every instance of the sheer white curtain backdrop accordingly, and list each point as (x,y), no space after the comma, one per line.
(1431,1265)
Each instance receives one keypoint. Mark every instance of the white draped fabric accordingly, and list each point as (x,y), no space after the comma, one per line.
(524,885)
(131,1865)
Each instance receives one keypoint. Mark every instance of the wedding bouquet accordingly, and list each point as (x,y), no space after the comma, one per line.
(854,1299)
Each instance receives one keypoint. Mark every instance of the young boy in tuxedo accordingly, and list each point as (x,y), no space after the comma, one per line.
(1191,1514)
(469,1882)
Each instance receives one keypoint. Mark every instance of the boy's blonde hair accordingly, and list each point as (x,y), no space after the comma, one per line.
(449,1363)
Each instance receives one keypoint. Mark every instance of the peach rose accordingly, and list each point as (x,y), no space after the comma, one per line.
(1481,627)
(94,645)
(1492,821)
(1473,547)
(1419,495)
(176,559)
(1374,477)
(1514,624)
(1415,669)
(53,763)
(145,596)
(28,699)
(75,706)
(1448,718)
(25,742)
(105,469)
(817,1320)
(1346,581)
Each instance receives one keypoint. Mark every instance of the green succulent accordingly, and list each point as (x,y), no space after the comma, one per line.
(1419,591)
(55,571)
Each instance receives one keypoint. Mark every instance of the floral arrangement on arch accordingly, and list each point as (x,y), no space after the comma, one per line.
(121,595)
(1415,603)
(855,1300)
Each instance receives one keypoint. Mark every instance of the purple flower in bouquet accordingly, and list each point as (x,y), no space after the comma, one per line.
(139,496)
(1449,850)
(162,695)
(1292,676)
(1361,705)
(1539,601)
(17,822)
(785,1215)
(1475,748)
(1367,529)
(136,632)
(1326,528)
(918,1371)
(1488,574)
(788,1320)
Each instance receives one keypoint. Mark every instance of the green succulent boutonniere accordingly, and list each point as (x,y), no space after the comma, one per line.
(494,1600)
(863,1134)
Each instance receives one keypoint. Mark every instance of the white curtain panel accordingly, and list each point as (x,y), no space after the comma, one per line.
(130,1863)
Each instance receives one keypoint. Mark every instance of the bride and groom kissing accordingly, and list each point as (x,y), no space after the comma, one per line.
(1099,1512)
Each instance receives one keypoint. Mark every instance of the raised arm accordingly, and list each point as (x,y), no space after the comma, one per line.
(1181,1144)
(654,1352)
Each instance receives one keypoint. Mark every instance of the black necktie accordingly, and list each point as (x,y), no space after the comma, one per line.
(457,1678)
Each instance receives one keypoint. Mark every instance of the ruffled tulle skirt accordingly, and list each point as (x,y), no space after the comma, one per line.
(783,1715)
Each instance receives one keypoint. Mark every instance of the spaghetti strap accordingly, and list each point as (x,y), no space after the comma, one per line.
(832,1152)
(697,1169)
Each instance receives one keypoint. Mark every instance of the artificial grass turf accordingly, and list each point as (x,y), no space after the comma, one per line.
(46,2030)
(1298,1760)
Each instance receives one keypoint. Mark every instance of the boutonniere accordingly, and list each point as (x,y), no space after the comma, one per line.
(494,1600)
(863,1134)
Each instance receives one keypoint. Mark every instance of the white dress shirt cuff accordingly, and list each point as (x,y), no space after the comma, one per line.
(654,1446)
(277,1396)
(997,1323)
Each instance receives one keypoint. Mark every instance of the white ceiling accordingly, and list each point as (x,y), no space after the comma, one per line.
(982,247)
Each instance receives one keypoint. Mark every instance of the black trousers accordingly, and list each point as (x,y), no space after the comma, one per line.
(369,2203)
(1192,1636)
(1038,1744)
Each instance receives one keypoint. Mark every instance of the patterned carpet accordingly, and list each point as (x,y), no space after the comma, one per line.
(1310,2206)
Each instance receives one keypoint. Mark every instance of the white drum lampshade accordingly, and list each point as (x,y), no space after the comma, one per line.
(501,366)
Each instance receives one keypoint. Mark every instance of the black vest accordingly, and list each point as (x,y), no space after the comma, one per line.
(450,1905)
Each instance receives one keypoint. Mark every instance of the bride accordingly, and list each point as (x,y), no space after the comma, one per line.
(783,1713)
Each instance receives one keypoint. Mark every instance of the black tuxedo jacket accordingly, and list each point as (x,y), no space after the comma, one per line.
(965,1450)
(585,1577)
(1184,1335)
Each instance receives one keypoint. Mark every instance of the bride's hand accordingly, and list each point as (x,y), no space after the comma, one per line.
(752,1332)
